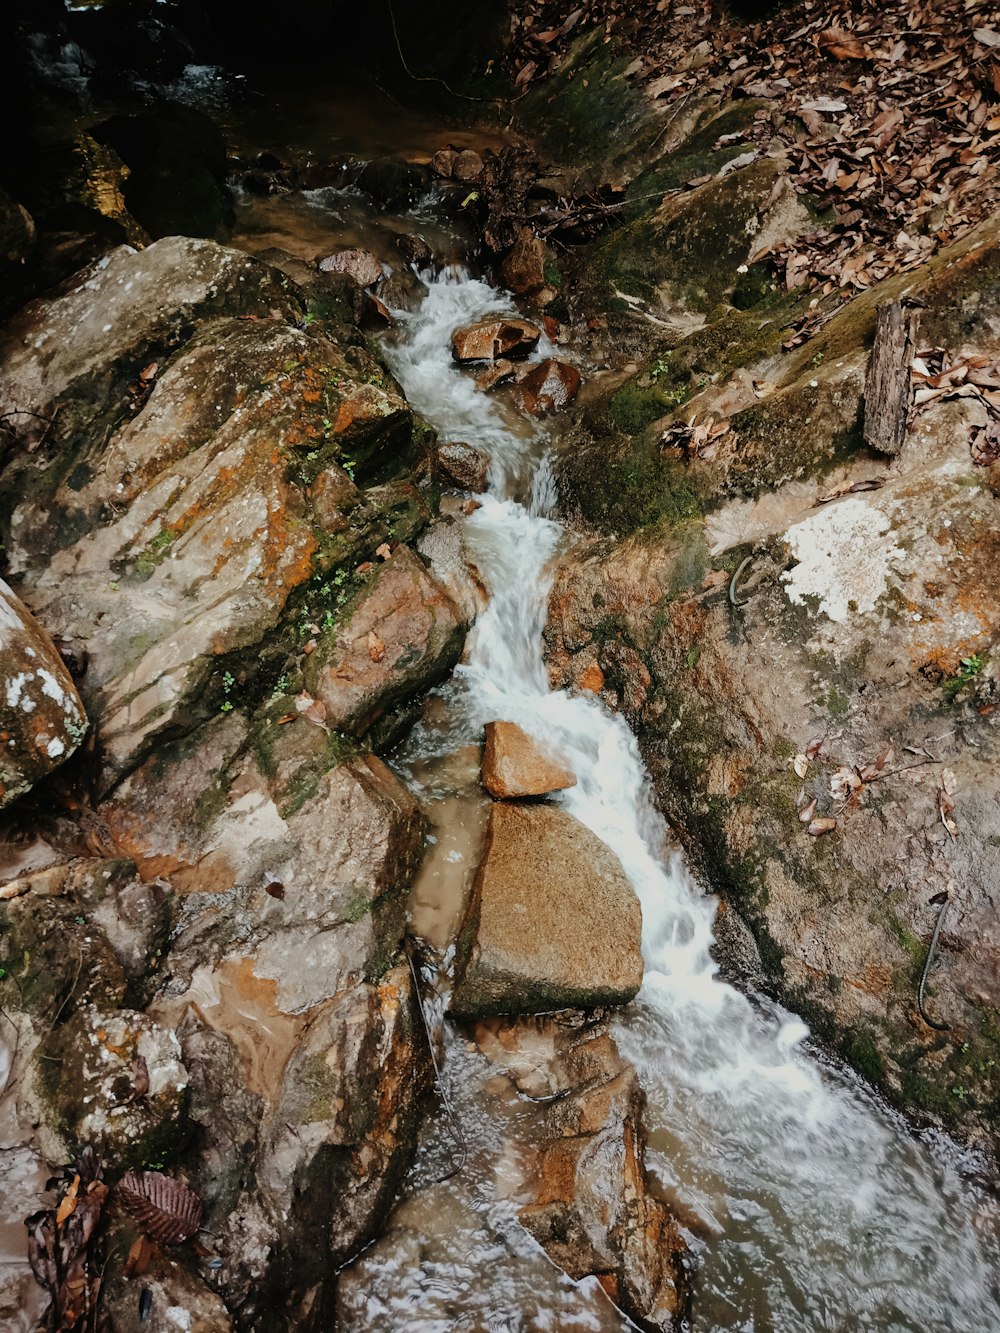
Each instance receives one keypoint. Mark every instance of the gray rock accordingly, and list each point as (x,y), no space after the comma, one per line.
(553,922)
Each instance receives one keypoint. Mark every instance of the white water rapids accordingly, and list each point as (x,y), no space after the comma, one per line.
(822,1210)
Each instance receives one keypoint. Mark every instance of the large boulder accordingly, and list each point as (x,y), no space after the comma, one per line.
(514,764)
(42,720)
(553,922)
(548,386)
(463,466)
(403,634)
(178,540)
(493,339)
(75,354)
(522,269)
(359,265)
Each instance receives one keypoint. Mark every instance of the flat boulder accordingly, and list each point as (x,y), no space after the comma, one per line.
(403,635)
(514,764)
(42,720)
(495,374)
(463,466)
(491,339)
(553,922)
(548,386)
(361,265)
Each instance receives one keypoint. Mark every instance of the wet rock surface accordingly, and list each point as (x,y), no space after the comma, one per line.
(514,765)
(553,922)
(360,265)
(494,339)
(463,466)
(548,386)
(585,1194)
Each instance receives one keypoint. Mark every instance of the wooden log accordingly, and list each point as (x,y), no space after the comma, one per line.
(887,385)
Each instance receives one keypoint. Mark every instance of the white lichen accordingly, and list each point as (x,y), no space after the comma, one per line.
(844,558)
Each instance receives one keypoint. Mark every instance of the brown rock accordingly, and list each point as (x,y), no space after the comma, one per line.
(514,765)
(463,466)
(361,265)
(548,386)
(468,165)
(443,161)
(404,634)
(591,679)
(553,922)
(523,267)
(589,1201)
(41,717)
(491,339)
(414,250)
(500,372)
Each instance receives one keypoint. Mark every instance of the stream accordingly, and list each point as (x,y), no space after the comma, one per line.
(821,1210)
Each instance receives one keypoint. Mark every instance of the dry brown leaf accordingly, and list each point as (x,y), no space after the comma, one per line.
(800,765)
(807,811)
(818,827)
(168,1210)
(841,45)
(384,552)
(376,648)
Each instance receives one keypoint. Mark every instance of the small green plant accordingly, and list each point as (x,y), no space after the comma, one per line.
(349,464)
(968,669)
(228,681)
(693,653)
(281,687)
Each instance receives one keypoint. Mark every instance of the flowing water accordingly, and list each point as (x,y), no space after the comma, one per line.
(818,1208)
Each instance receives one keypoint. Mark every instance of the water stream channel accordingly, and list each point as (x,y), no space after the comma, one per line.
(817,1208)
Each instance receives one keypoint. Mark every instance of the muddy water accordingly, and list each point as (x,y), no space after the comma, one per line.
(817,1208)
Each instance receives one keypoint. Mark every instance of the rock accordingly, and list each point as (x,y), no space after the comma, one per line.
(179,1301)
(17,243)
(590,1204)
(445,548)
(522,269)
(463,466)
(491,339)
(414,250)
(392,183)
(361,265)
(79,351)
(42,720)
(184,534)
(553,922)
(548,386)
(443,161)
(467,166)
(515,765)
(176,182)
(402,635)
(500,372)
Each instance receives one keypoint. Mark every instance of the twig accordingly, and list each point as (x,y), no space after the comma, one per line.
(736,578)
(938,1027)
(433,78)
(453,1122)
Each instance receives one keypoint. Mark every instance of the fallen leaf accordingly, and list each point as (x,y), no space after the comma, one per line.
(820,826)
(814,747)
(139,1255)
(807,811)
(841,45)
(376,648)
(948,781)
(275,888)
(168,1210)
(384,551)
(800,765)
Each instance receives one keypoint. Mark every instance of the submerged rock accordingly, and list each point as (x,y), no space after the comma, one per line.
(42,720)
(491,339)
(590,1203)
(414,250)
(463,466)
(553,922)
(361,265)
(515,765)
(401,637)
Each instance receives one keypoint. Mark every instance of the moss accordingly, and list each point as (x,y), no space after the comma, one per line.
(859,1049)
(317,1088)
(634,406)
(621,485)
